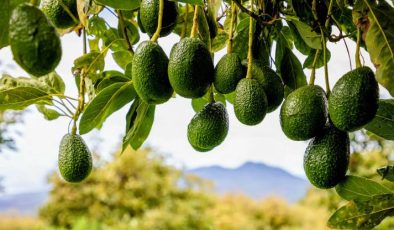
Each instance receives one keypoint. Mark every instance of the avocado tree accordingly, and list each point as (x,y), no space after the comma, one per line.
(257,73)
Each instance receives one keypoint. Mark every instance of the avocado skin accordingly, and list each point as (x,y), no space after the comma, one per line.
(250,104)
(149,73)
(304,113)
(228,72)
(34,42)
(326,158)
(209,127)
(149,15)
(354,99)
(58,15)
(190,68)
(75,159)
(272,84)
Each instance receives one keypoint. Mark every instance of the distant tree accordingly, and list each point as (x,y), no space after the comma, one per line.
(7,136)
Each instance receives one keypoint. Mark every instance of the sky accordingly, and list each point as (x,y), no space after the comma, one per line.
(27,169)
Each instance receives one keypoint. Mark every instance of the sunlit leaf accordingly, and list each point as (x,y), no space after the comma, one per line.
(383,123)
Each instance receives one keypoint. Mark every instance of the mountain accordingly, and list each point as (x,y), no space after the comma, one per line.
(255,180)
(23,203)
(252,179)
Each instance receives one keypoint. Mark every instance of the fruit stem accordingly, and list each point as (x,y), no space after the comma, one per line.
(211,95)
(326,78)
(250,44)
(232,24)
(81,93)
(194,31)
(124,31)
(358,62)
(313,73)
(185,19)
(156,35)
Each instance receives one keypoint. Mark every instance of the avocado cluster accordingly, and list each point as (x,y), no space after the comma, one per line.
(308,112)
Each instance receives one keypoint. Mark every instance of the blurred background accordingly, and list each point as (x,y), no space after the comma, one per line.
(254,180)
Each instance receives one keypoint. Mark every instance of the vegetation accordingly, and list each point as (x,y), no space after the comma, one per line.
(261,33)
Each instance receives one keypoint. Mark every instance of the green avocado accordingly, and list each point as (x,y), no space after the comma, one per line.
(326,158)
(250,104)
(149,73)
(35,44)
(209,127)
(75,159)
(228,72)
(58,12)
(304,113)
(272,85)
(354,99)
(149,15)
(190,68)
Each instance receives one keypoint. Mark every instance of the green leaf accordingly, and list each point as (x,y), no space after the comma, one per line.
(132,32)
(320,60)
(230,97)
(360,188)
(6,8)
(93,62)
(54,82)
(138,124)
(203,28)
(298,41)
(96,26)
(104,104)
(199,103)
(387,172)
(281,45)
(20,97)
(220,41)
(192,2)
(311,38)
(383,123)
(112,39)
(122,58)
(291,70)
(49,114)
(121,4)
(240,40)
(379,40)
(363,214)
(108,78)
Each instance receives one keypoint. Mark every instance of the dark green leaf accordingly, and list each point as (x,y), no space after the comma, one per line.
(379,40)
(360,188)
(139,123)
(122,58)
(192,2)
(104,104)
(121,4)
(240,43)
(203,28)
(132,32)
(291,70)
(320,60)
(112,40)
(363,214)
(220,41)
(383,123)
(49,114)
(311,38)
(108,78)
(387,172)
(298,41)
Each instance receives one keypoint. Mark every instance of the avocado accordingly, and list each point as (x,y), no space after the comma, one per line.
(326,158)
(272,85)
(149,73)
(228,72)
(56,11)
(304,113)
(190,68)
(35,44)
(75,159)
(149,15)
(250,104)
(139,23)
(354,99)
(209,127)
